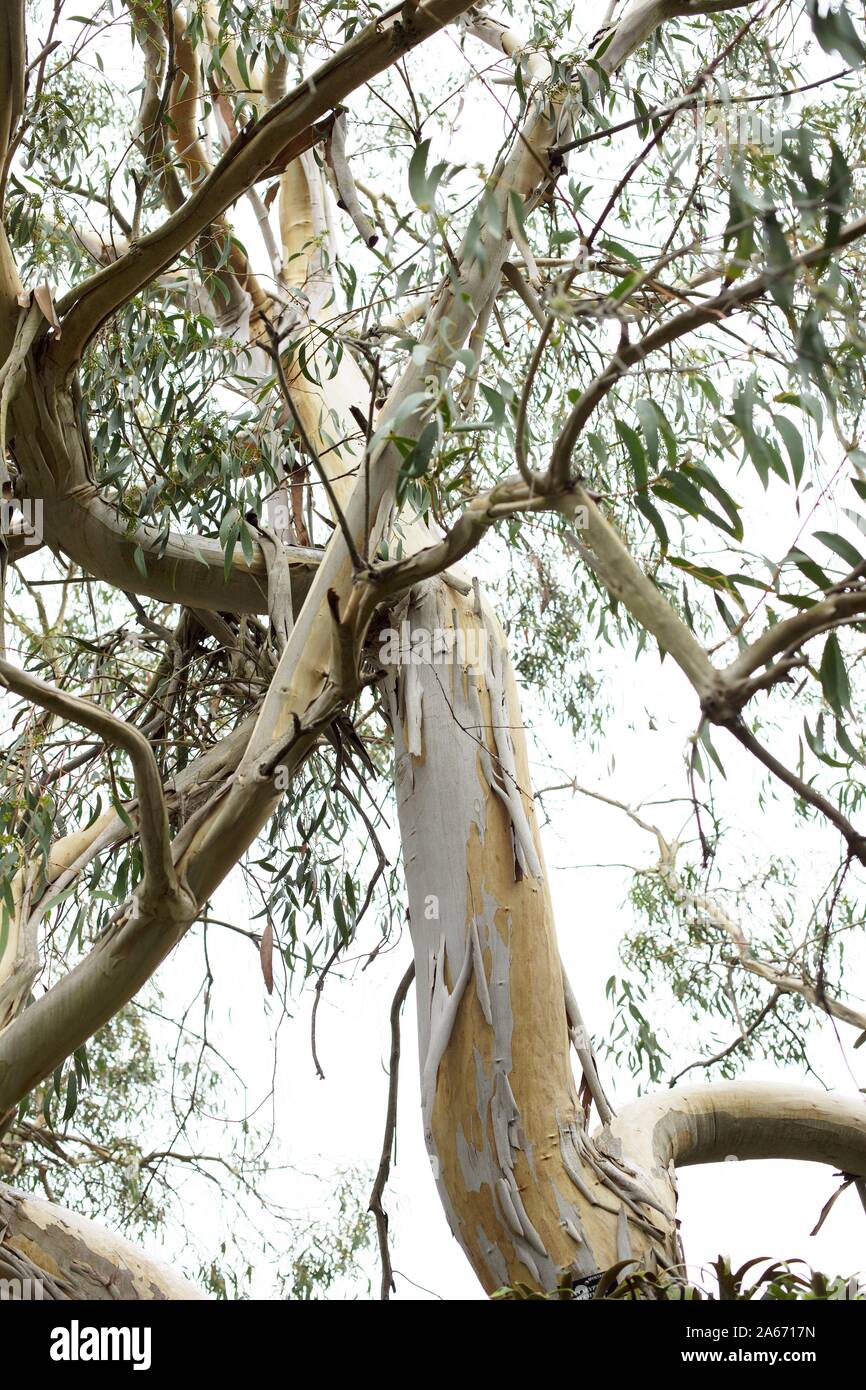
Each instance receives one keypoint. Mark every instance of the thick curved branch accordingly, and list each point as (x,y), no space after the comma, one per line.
(785,637)
(188,570)
(51,450)
(744,1120)
(76,1259)
(123,960)
(68,857)
(606,551)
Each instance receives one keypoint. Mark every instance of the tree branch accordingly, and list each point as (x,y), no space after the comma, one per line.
(709,311)
(159,875)
(283,132)
(709,910)
(77,1259)
(13,61)
(384,1170)
(745,1120)
(854,840)
(787,636)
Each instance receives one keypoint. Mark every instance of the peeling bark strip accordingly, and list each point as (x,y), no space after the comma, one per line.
(344,184)
(527,1192)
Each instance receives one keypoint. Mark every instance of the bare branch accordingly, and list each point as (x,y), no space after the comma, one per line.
(855,841)
(344,184)
(384,1169)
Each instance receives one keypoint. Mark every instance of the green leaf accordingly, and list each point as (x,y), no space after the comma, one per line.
(844,741)
(706,740)
(835,33)
(740,230)
(647,412)
(642,114)
(645,506)
(834,677)
(705,574)
(809,567)
(519,211)
(705,479)
(417,461)
(340,918)
(816,742)
(839,183)
(622,252)
(637,456)
(778,262)
(626,286)
(418,175)
(71,1097)
(793,441)
(839,546)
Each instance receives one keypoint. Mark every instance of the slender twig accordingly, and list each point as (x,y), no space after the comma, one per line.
(686,103)
(384,1170)
(738,1041)
(854,840)
(666,124)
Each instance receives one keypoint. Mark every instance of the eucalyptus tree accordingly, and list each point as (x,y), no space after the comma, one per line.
(313,318)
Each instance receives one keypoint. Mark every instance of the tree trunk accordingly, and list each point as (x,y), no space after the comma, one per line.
(528,1194)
